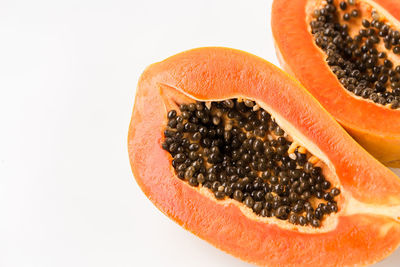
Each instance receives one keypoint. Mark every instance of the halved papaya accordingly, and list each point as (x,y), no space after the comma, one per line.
(240,154)
(347,54)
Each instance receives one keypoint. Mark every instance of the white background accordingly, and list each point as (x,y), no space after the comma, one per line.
(68,72)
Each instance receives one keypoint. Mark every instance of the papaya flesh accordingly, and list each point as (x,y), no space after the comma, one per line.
(368,108)
(366,227)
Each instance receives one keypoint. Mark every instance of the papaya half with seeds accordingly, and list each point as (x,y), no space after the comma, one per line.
(240,154)
(347,54)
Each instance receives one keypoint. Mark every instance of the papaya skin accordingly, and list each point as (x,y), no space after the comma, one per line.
(375,127)
(366,234)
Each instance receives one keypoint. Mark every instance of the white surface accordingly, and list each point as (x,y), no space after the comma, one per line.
(68,72)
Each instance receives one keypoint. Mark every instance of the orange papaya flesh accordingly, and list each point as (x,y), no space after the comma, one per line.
(367,225)
(375,126)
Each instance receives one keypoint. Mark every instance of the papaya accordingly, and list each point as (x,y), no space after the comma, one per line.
(240,154)
(347,54)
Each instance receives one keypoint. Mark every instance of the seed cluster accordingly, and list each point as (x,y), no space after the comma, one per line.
(356,61)
(237,150)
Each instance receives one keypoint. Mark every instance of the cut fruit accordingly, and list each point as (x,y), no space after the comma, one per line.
(241,96)
(347,54)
